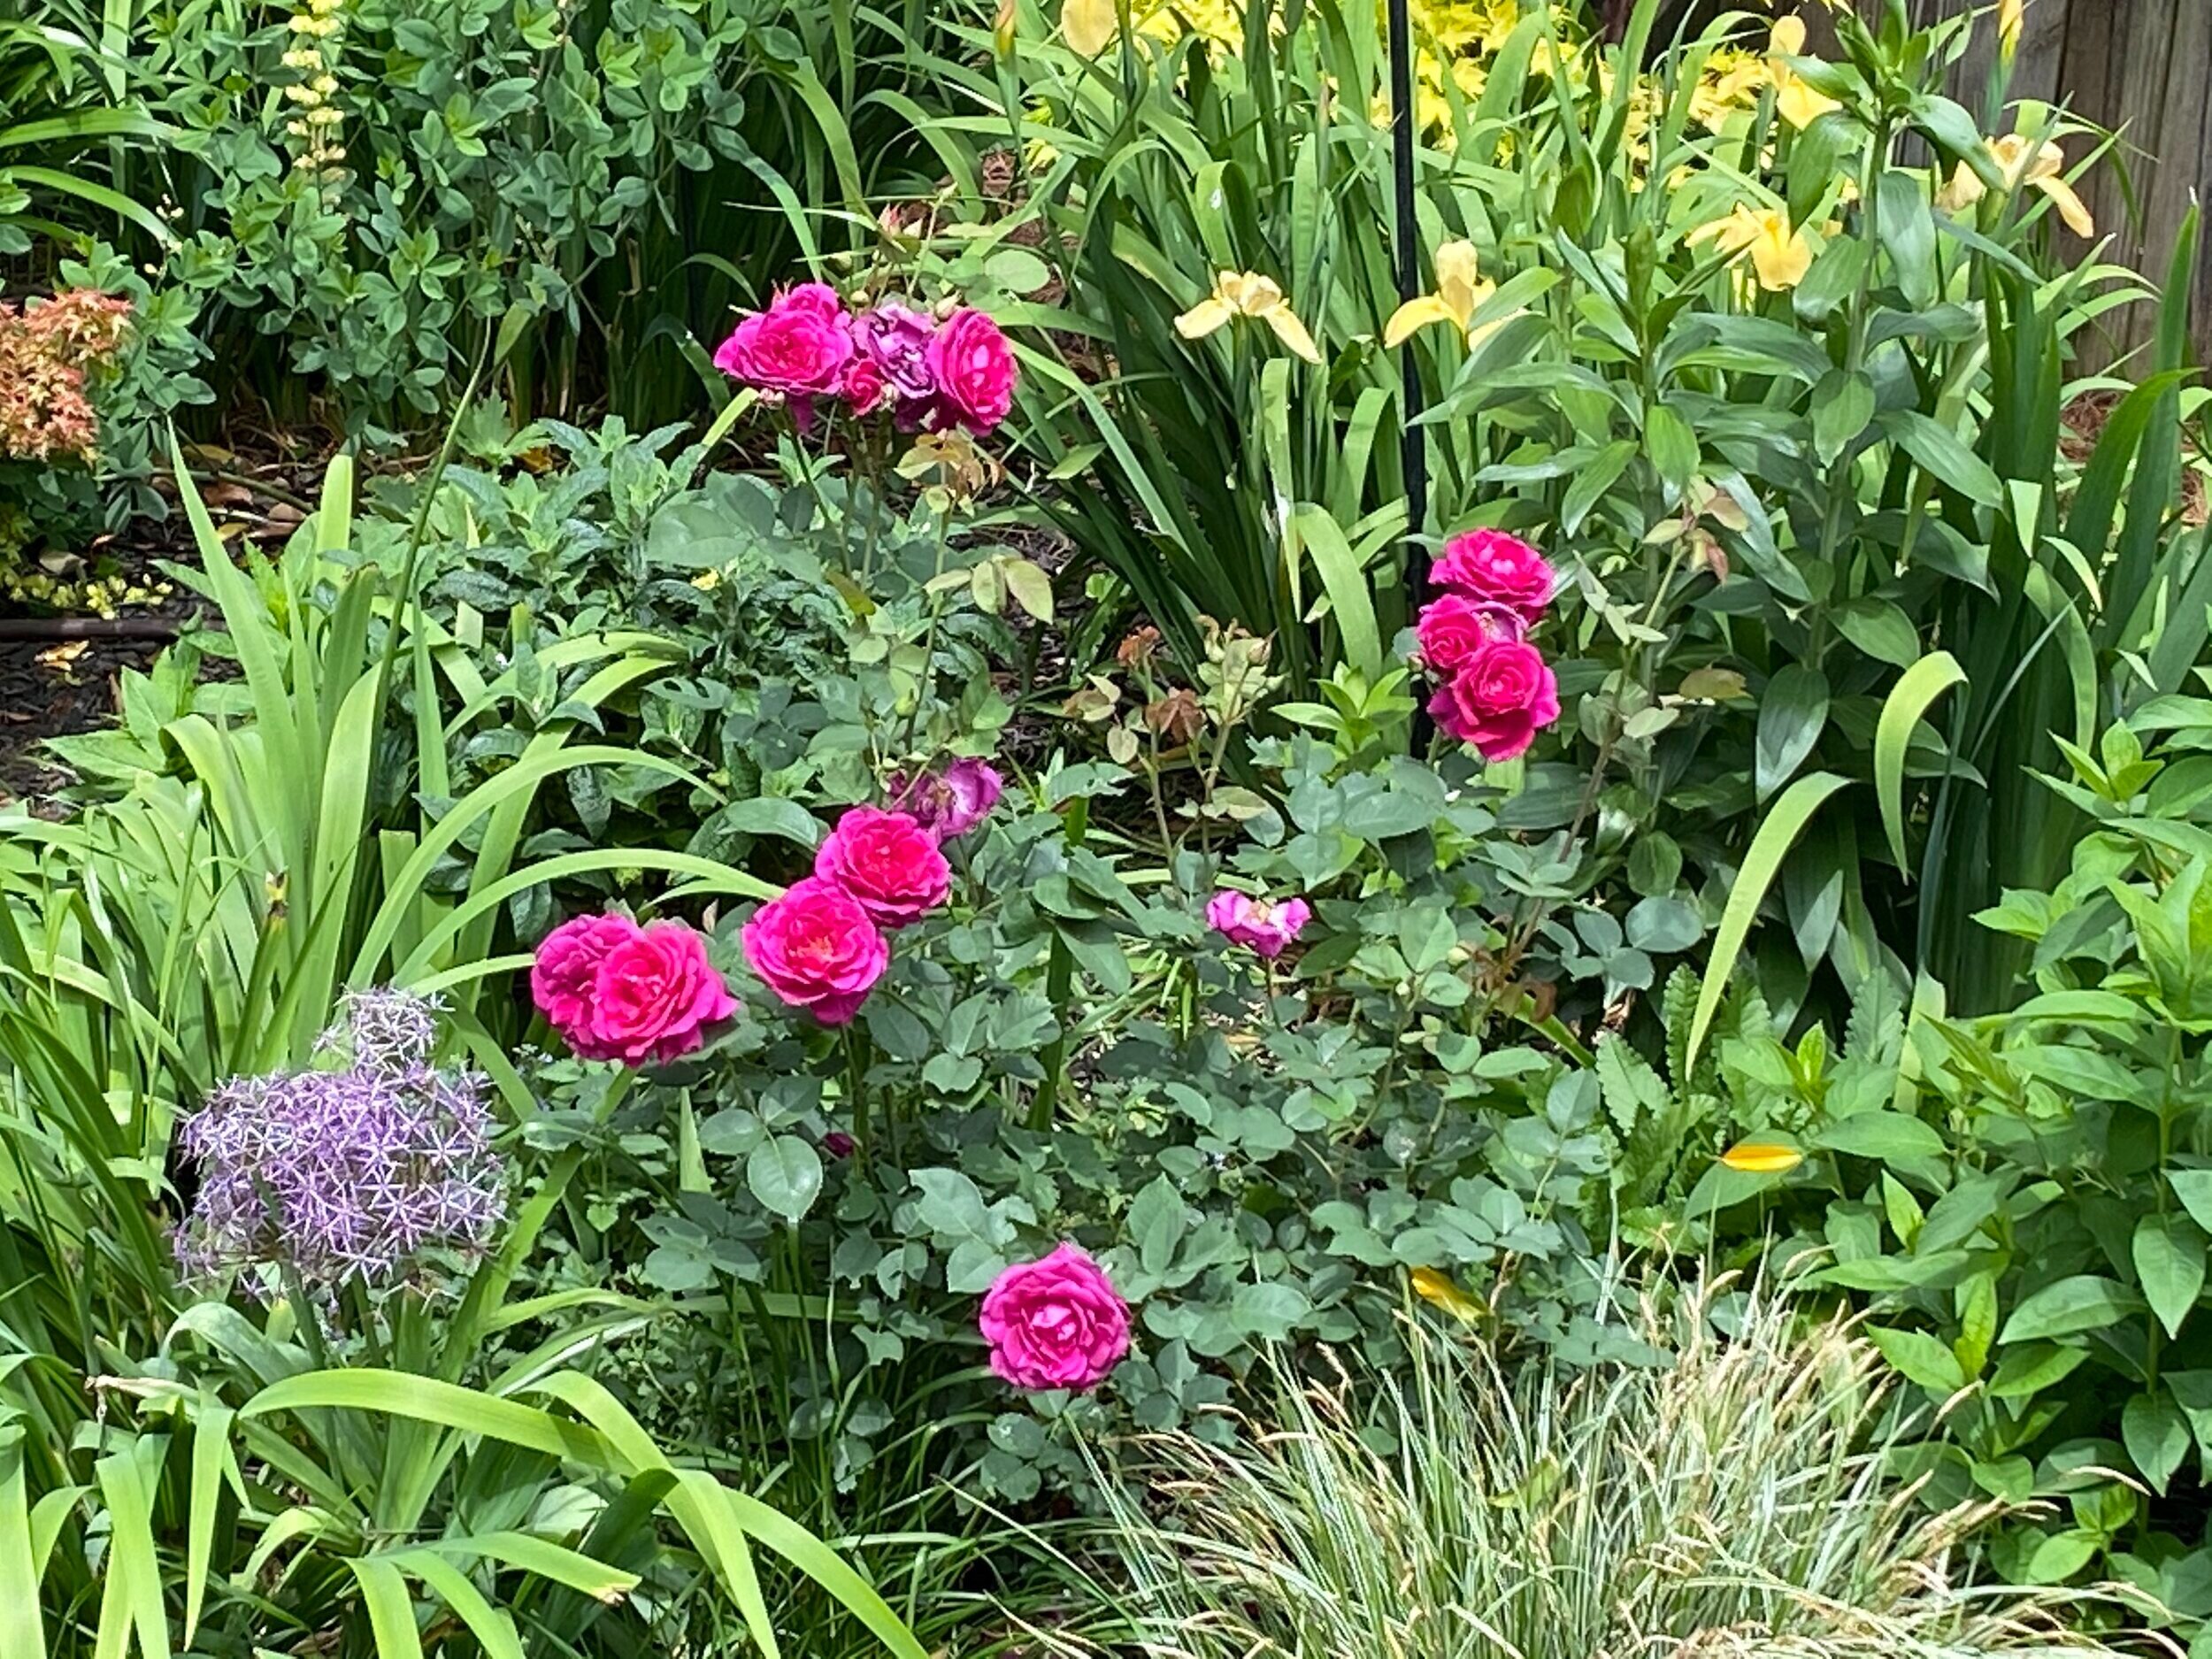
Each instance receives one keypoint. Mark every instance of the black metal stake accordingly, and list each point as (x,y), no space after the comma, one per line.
(1413,449)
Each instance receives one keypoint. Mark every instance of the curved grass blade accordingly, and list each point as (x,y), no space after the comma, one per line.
(1914,694)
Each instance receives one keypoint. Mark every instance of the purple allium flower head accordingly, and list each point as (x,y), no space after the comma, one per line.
(896,338)
(950,802)
(349,1173)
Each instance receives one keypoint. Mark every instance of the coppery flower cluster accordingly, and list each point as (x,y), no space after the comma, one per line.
(46,349)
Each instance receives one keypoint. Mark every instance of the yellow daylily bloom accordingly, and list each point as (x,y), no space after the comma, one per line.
(1089,26)
(2011,16)
(1437,1289)
(1799,103)
(1461,291)
(1245,294)
(1762,1157)
(2023,160)
(1780,253)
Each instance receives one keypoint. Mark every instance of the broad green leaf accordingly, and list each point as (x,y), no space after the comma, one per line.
(786,1175)
(1793,713)
(1762,864)
(2169,1252)
(2083,1301)
(1906,704)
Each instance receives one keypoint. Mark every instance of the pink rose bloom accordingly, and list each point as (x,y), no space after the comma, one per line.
(974,369)
(895,338)
(889,863)
(1493,568)
(1499,700)
(1255,923)
(564,977)
(799,346)
(1056,1322)
(654,994)
(950,802)
(864,388)
(816,948)
(1452,629)
(615,991)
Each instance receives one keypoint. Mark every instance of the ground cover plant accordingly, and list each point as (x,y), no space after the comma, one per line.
(829,928)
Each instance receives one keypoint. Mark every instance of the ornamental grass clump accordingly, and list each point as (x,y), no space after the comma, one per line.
(1731,1504)
(353,1174)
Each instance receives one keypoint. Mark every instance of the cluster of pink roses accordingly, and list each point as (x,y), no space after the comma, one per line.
(617,991)
(1497,691)
(821,946)
(932,373)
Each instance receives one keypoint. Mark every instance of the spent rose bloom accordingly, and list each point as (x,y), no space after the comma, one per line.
(1492,567)
(656,992)
(1256,923)
(799,346)
(1453,627)
(895,338)
(816,948)
(950,802)
(1498,700)
(974,370)
(889,863)
(617,991)
(1056,1322)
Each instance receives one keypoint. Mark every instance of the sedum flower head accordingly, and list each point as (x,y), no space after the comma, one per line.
(348,1174)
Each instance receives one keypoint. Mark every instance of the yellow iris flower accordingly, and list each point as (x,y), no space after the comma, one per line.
(1762,1157)
(1437,1289)
(1088,26)
(1780,253)
(1799,103)
(2011,16)
(2023,160)
(1461,290)
(1245,293)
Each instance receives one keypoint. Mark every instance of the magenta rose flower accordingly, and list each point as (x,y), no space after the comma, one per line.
(816,948)
(799,346)
(565,976)
(895,338)
(1057,1322)
(1452,629)
(950,802)
(655,994)
(1491,567)
(615,991)
(889,863)
(1255,924)
(864,388)
(974,369)
(1498,700)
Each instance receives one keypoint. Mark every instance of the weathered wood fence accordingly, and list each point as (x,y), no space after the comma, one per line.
(2142,68)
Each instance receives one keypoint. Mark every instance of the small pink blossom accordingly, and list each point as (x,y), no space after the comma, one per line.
(1056,1322)
(1499,699)
(1491,567)
(816,948)
(1255,924)
(889,863)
